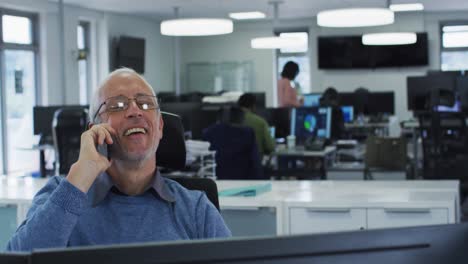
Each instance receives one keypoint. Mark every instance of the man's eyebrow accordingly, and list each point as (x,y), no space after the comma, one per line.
(143,94)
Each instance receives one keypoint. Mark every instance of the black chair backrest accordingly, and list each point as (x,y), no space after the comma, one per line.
(201,184)
(171,153)
(386,153)
(67,126)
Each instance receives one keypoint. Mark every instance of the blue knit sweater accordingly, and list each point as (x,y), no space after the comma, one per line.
(63,216)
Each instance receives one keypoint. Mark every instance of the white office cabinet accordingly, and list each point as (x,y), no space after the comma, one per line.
(403,217)
(8,215)
(250,222)
(318,220)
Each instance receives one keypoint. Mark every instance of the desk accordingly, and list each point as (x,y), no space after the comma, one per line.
(377,128)
(326,156)
(296,206)
(42,160)
(318,206)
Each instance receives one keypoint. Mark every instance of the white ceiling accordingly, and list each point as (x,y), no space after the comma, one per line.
(163,9)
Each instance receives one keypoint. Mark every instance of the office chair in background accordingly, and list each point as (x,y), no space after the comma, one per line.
(237,155)
(171,154)
(386,155)
(67,126)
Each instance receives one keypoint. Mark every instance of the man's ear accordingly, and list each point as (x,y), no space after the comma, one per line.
(161,125)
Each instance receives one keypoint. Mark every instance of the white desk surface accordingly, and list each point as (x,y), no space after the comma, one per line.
(21,190)
(424,185)
(318,194)
(302,152)
(15,190)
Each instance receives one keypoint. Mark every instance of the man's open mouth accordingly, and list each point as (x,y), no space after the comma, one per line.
(135,130)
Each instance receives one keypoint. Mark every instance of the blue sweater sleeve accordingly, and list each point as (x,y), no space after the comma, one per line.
(210,223)
(52,217)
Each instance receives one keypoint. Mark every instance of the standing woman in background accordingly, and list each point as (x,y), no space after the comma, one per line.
(287,95)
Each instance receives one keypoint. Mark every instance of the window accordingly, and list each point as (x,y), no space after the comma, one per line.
(454,46)
(18,49)
(83,61)
(298,55)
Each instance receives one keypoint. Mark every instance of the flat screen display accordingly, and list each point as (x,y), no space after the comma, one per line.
(348,113)
(309,122)
(348,52)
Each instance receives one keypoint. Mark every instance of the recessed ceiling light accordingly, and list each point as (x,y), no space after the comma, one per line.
(355,17)
(389,38)
(303,38)
(247,15)
(276,42)
(407,7)
(454,28)
(196,27)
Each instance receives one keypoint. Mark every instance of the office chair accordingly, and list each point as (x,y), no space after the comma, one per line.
(67,126)
(171,154)
(237,155)
(202,184)
(171,151)
(385,155)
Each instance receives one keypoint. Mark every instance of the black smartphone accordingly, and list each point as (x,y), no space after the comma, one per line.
(104,150)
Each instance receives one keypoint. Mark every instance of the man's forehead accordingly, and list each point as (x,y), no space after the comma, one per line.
(127,84)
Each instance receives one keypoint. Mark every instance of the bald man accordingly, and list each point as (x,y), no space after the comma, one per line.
(124,199)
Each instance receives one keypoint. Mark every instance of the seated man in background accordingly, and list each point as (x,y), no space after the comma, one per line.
(265,142)
(124,199)
(236,151)
(330,98)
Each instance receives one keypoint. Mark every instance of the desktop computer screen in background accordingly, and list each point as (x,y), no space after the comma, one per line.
(309,122)
(312,100)
(348,113)
(455,108)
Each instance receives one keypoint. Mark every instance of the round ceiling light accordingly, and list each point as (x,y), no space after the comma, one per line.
(390,38)
(196,27)
(355,17)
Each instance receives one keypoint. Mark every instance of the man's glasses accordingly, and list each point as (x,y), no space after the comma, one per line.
(121,103)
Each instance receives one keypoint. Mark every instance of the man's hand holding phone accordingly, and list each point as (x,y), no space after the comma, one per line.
(91,163)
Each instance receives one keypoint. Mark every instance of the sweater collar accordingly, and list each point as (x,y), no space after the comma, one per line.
(104,184)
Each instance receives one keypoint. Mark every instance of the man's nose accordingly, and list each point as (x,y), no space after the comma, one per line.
(133,110)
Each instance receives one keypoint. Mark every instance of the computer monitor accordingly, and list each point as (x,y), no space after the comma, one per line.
(312,99)
(15,258)
(382,103)
(413,245)
(260,100)
(190,113)
(348,113)
(455,108)
(279,118)
(425,92)
(43,116)
(347,98)
(309,122)
(462,89)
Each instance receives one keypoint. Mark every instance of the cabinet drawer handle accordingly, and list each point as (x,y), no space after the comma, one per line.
(7,205)
(408,210)
(243,208)
(329,210)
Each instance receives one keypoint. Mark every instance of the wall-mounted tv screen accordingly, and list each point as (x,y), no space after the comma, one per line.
(348,52)
(130,52)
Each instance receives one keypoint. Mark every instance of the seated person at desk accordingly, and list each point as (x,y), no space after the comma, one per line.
(330,98)
(124,199)
(265,142)
(236,150)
